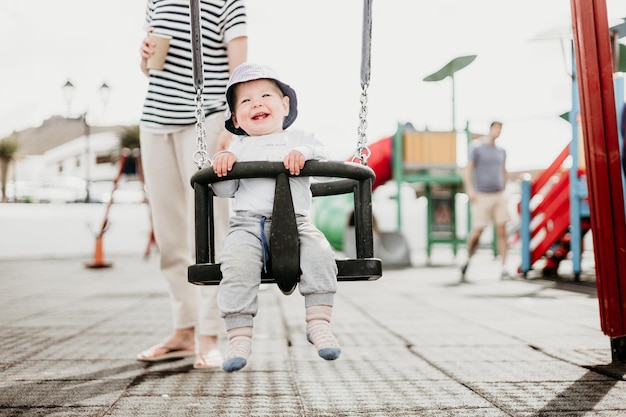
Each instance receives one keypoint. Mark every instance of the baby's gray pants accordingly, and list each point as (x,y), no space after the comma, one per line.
(242,261)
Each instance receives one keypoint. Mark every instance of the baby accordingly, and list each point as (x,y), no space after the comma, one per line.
(261,108)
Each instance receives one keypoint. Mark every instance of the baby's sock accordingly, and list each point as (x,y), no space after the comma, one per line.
(239,348)
(318,332)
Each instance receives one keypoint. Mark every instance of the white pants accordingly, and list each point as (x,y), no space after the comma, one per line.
(168,165)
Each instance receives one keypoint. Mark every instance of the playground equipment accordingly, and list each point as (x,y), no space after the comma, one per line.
(554,208)
(602,155)
(284,248)
(448,71)
(409,156)
(358,182)
(545,212)
(429,158)
(333,215)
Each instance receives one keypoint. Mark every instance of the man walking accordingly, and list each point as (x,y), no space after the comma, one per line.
(485,178)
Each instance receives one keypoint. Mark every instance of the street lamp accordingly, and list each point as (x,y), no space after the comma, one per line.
(69,91)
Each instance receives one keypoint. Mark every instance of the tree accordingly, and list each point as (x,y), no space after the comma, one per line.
(129,137)
(8,149)
(129,144)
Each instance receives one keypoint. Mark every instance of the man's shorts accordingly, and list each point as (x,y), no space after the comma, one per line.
(488,206)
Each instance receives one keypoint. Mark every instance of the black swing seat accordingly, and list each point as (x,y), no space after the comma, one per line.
(344,177)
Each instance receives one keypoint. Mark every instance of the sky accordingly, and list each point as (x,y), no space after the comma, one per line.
(316,47)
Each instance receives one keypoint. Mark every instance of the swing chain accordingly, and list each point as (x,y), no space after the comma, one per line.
(362,151)
(201,156)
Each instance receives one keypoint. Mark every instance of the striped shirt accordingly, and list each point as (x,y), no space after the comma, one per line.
(170,100)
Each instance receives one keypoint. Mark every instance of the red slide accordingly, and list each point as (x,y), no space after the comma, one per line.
(391,247)
(380,160)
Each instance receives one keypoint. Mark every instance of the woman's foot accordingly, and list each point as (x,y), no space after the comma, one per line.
(180,344)
(162,352)
(209,356)
(210,360)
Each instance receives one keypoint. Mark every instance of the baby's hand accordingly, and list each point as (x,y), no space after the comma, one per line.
(224,163)
(294,162)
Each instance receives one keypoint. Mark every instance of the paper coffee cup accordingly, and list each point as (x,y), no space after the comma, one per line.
(162,45)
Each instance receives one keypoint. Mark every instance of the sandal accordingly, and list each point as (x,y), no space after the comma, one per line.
(161,352)
(211,359)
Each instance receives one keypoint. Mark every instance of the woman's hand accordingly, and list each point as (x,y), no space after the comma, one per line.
(146,50)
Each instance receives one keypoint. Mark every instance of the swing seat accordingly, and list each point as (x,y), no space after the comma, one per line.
(347,177)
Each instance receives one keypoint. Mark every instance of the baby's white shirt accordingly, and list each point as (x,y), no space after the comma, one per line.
(257,194)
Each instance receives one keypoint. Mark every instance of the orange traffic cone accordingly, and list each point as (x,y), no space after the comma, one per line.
(98,255)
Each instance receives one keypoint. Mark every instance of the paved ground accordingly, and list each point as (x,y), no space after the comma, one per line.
(415,343)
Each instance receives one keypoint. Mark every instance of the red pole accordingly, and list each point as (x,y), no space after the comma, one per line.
(599,122)
(98,255)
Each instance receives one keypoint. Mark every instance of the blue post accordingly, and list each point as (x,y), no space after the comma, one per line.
(525,226)
(574,186)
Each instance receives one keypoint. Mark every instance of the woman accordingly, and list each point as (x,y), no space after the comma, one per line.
(168,141)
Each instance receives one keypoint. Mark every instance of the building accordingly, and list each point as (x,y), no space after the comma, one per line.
(65,152)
